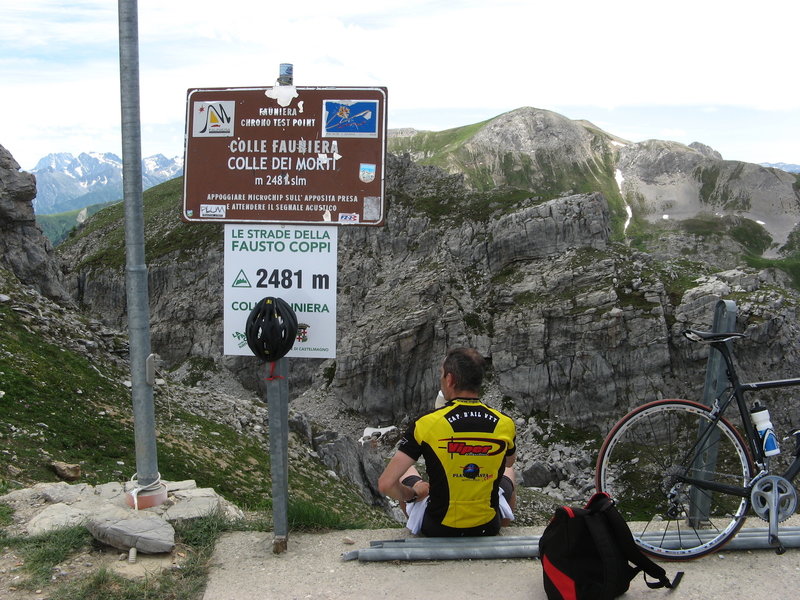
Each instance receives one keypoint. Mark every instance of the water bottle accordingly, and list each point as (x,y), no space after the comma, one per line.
(761,420)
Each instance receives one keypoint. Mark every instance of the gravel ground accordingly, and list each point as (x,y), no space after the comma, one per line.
(244,568)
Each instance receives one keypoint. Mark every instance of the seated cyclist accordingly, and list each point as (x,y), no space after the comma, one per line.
(469,450)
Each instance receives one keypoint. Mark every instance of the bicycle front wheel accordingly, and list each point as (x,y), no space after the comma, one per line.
(678,476)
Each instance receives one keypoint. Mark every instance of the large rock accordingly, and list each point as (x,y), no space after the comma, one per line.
(149,534)
(57,516)
(361,464)
(24,249)
(104,511)
(194,504)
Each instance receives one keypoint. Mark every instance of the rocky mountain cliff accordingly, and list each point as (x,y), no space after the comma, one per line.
(666,180)
(65,182)
(539,273)
(23,248)
(527,149)
(577,326)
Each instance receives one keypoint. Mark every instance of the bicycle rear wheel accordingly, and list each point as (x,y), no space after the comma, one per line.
(643,463)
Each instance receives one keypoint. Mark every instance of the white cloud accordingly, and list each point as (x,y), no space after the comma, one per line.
(672,134)
(438,58)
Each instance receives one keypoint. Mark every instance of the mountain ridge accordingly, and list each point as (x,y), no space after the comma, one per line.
(654,180)
(65,182)
(788,167)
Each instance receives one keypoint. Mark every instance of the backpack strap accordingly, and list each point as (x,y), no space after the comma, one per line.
(618,573)
(602,502)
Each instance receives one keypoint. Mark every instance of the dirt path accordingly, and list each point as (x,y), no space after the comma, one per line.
(244,568)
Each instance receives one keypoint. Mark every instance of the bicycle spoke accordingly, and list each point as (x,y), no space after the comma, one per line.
(646,465)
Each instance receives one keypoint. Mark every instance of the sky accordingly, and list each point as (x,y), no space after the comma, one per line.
(723,73)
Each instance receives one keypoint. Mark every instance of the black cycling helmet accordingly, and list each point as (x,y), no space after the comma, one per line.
(271,329)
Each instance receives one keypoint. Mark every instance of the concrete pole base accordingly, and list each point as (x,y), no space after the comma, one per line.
(148,498)
(280,544)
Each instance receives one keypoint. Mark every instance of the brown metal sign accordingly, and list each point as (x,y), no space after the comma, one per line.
(285,155)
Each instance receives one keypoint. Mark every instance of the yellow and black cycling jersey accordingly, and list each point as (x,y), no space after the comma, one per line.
(465,445)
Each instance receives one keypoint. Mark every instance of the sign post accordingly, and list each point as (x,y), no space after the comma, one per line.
(278,408)
(282,167)
(297,263)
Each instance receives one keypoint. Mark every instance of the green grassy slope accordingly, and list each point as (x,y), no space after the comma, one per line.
(59,403)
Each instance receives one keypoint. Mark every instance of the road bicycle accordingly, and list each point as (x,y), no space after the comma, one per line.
(685,477)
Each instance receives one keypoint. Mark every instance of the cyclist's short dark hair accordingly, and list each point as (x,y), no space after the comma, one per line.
(467,367)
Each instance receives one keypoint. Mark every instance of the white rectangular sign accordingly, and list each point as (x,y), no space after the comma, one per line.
(296,263)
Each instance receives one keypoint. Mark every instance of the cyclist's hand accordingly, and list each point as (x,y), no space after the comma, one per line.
(422,489)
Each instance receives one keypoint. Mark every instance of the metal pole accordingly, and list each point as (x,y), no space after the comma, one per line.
(715,384)
(136,270)
(278,407)
(444,552)
(528,546)
(499,540)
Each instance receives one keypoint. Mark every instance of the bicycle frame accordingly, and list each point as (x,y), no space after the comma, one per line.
(736,392)
(708,474)
(739,388)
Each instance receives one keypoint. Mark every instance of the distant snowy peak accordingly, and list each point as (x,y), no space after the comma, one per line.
(159,165)
(66,182)
(78,167)
(61,161)
(783,167)
(87,162)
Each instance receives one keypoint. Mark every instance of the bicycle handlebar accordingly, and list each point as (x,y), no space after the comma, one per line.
(710,337)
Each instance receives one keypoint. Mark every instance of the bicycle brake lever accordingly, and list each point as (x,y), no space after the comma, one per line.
(691,335)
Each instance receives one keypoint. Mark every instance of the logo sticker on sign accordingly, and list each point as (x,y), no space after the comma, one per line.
(212,211)
(350,118)
(213,119)
(366,173)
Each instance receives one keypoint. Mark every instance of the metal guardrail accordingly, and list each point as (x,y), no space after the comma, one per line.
(475,548)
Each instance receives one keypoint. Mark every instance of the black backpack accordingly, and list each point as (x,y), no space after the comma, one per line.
(586,554)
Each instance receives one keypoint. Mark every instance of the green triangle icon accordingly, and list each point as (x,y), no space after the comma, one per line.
(241,280)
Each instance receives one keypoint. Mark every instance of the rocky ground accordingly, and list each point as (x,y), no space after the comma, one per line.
(82,565)
(116,527)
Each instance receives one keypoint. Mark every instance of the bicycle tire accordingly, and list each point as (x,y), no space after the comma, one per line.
(638,466)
